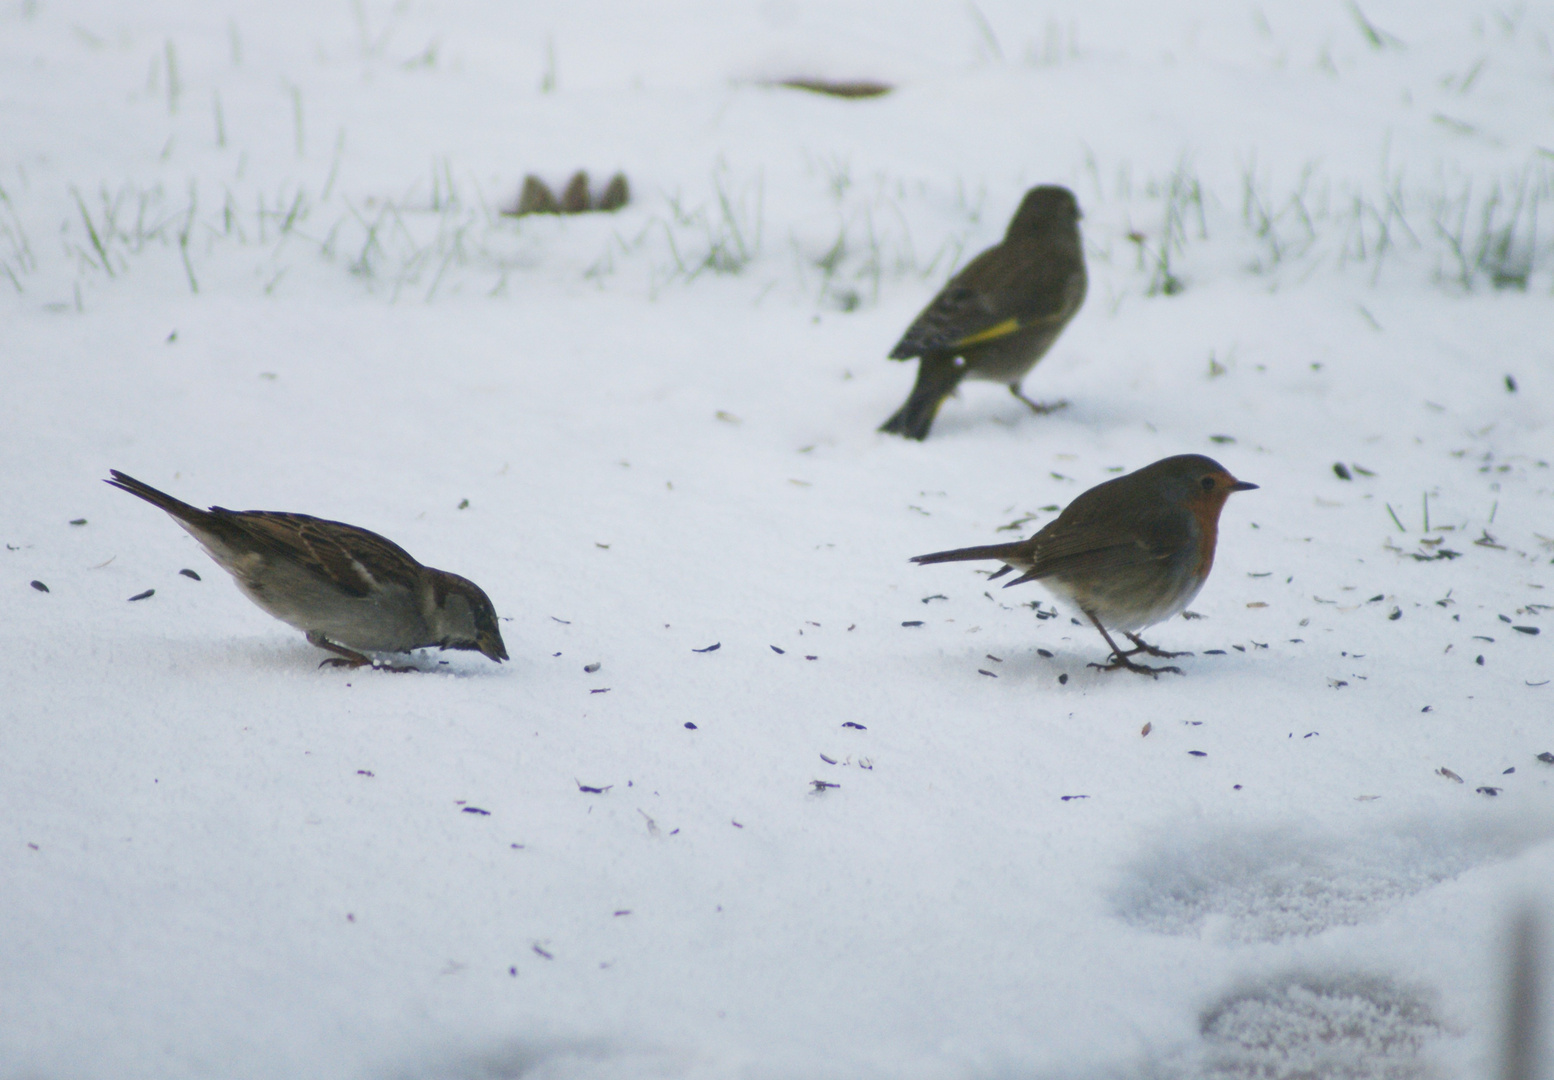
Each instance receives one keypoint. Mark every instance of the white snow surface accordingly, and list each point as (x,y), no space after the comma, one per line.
(251,253)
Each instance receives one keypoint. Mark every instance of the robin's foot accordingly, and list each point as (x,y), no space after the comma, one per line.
(1037,407)
(1120,662)
(1143,646)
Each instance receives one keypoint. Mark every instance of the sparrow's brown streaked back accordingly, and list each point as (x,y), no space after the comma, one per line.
(350,590)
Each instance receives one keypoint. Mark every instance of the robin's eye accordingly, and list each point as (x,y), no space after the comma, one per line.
(1208,483)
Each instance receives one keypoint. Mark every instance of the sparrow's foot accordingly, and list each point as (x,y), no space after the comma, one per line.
(1121,662)
(397,669)
(1143,646)
(1037,407)
(348,658)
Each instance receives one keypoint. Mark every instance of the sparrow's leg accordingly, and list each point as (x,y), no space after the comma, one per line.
(1146,647)
(1120,658)
(1036,407)
(348,658)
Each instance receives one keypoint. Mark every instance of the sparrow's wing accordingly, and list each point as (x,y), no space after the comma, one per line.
(354,559)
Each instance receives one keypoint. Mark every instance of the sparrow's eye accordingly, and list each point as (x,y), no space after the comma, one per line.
(1208,483)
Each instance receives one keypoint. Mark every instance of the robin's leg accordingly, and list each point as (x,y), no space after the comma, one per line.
(1146,647)
(1120,658)
(348,658)
(1036,407)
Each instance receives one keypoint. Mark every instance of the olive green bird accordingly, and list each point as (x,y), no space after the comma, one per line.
(999,315)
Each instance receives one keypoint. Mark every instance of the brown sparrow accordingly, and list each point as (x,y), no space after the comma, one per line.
(351,591)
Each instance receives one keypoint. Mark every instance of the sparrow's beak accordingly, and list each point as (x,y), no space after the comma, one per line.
(1242,485)
(490,645)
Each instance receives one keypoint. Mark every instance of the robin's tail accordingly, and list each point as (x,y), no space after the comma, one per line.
(937,377)
(1015,554)
(176,507)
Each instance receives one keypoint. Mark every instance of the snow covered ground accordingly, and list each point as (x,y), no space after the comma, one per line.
(251,253)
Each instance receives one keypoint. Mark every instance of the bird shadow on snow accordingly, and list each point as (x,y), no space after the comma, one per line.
(1024,666)
(969,414)
(546,1059)
(294,657)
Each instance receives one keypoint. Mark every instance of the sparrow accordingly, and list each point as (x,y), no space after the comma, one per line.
(350,590)
(999,315)
(1128,553)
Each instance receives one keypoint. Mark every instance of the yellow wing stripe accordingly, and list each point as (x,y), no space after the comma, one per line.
(1003,329)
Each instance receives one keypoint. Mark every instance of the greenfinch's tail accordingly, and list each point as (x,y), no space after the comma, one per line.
(937,377)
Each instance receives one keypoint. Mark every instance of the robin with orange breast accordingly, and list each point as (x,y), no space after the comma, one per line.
(1129,553)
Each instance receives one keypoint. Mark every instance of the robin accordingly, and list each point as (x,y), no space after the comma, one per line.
(1128,553)
(999,315)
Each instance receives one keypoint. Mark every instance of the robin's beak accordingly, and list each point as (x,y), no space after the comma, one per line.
(1242,485)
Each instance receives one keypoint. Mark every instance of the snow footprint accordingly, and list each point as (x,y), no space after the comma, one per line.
(1335,1027)
(1267,885)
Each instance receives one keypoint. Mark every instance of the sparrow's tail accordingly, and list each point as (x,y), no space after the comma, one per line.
(937,377)
(1016,553)
(176,507)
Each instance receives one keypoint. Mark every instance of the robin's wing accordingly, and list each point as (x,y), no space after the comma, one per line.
(999,292)
(354,559)
(1101,545)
